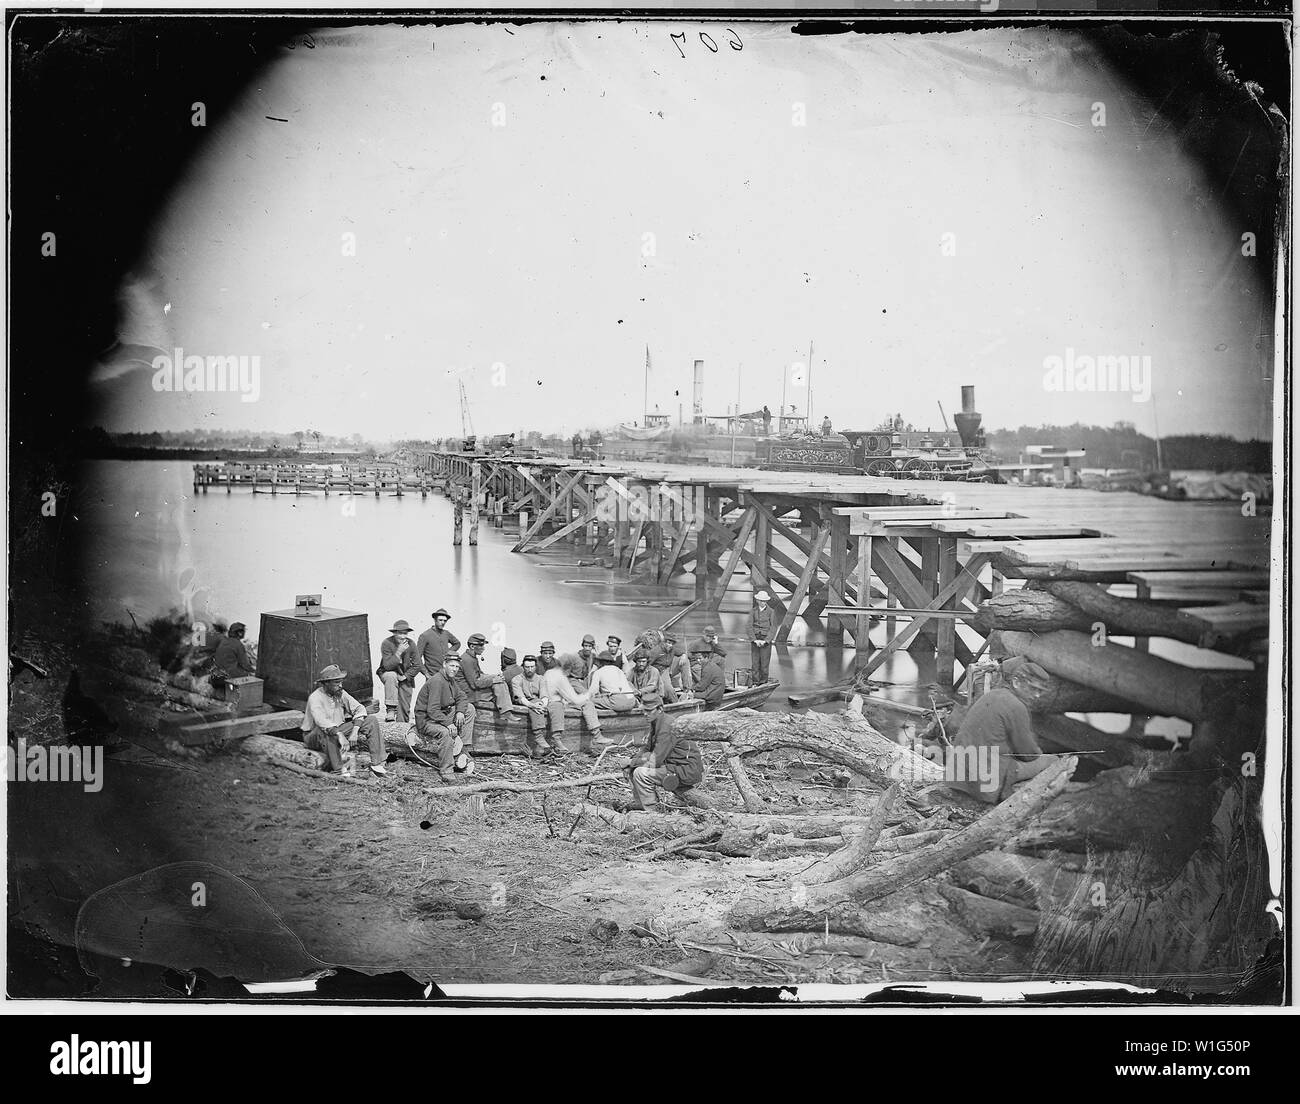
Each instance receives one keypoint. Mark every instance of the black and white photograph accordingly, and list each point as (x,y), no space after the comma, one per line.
(630,507)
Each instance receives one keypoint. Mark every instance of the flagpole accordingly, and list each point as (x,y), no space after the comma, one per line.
(810,362)
(645,398)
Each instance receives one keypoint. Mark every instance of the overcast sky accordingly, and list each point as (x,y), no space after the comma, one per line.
(528,244)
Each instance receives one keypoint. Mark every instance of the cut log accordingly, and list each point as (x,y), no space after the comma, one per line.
(805,906)
(1204,929)
(845,739)
(857,851)
(1024,880)
(1161,688)
(1029,611)
(1127,616)
(1082,607)
(1161,813)
(117,683)
(280,749)
(1057,734)
(987,917)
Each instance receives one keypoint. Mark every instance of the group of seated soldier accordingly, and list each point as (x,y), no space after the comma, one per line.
(658,669)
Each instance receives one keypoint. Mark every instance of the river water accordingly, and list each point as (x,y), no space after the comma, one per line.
(159,545)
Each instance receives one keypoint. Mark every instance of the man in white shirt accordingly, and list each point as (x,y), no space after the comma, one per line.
(609,687)
(332,715)
(558,677)
(529,691)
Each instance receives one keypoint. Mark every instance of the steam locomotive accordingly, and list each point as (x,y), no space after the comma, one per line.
(890,450)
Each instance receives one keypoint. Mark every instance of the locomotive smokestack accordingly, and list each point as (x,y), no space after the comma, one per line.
(968,421)
(697,402)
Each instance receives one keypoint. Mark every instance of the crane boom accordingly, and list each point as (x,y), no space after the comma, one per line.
(944,417)
(466,422)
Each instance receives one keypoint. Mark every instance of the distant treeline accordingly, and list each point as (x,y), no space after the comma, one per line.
(1122,446)
(211,444)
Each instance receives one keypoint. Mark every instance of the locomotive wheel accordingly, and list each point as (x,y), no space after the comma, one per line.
(880,467)
(920,469)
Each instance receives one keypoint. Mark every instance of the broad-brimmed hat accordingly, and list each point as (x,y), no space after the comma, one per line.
(762,596)
(332,673)
(440,613)
(400,627)
(476,638)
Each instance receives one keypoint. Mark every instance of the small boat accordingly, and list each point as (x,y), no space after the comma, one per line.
(503,732)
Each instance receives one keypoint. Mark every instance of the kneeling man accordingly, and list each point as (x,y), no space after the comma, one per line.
(667,760)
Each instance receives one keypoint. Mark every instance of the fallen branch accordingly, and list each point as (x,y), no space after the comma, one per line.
(707,836)
(330,776)
(748,795)
(857,852)
(806,906)
(524,787)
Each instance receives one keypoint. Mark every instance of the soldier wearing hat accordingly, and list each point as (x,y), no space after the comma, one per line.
(1000,722)
(443,715)
(704,645)
(614,646)
(666,760)
(610,688)
(397,669)
(482,689)
(333,715)
(760,637)
(435,644)
(547,649)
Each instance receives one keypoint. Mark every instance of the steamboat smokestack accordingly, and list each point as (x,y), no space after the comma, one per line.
(968,421)
(697,402)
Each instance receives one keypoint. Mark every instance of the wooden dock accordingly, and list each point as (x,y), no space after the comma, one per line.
(919,554)
(281,477)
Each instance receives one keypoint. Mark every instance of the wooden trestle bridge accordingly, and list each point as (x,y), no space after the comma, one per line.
(921,553)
